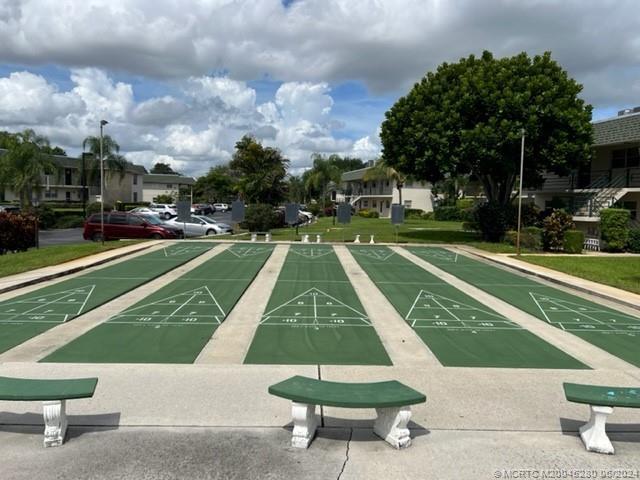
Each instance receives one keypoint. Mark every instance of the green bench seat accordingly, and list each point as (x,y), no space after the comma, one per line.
(53,394)
(601,400)
(391,399)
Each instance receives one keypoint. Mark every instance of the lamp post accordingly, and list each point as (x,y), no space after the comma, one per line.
(520,193)
(102,124)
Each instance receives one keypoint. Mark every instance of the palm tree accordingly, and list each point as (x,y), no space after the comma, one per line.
(381,170)
(321,175)
(113,161)
(24,163)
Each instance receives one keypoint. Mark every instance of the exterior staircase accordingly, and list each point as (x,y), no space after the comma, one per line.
(600,194)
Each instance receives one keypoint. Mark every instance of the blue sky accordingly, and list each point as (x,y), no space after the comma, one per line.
(181,83)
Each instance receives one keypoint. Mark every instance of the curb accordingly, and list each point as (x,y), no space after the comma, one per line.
(557,281)
(52,276)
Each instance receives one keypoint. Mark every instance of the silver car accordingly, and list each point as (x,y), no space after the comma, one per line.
(199,226)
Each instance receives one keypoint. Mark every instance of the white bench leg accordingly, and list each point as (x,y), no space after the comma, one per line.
(318,239)
(391,425)
(357,240)
(305,238)
(267,237)
(254,237)
(304,424)
(55,421)
(371,241)
(593,433)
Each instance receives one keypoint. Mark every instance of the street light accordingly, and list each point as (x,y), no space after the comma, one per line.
(520,193)
(102,124)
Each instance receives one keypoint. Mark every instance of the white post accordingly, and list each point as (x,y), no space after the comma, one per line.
(318,238)
(267,237)
(371,240)
(357,240)
(520,194)
(391,426)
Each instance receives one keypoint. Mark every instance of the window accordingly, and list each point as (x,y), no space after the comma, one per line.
(118,219)
(135,197)
(365,203)
(134,220)
(51,194)
(375,204)
(407,203)
(625,158)
(68,176)
(170,186)
(633,157)
(388,204)
(67,196)
(135,179)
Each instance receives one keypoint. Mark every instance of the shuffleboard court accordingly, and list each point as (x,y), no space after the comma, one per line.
(173,324)
(28,315)
(459,330)
(616,332)
(314,316)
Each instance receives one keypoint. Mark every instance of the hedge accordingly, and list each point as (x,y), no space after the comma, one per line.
(368,213)
(261,217)
(530,238)
(614,225)
(17,232)
(443,214)
(633,242)
(573,241)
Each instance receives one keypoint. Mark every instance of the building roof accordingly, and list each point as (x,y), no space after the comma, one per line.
(355,174)
(168,178)
(65,161)
(622,129)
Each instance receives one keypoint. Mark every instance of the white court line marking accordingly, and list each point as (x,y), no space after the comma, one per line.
(376,254)
(309,252)
(496,317)
(67,293)
(248,251)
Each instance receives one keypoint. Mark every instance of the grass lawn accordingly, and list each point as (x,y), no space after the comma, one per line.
(13,263)
(620,272)
(414,231)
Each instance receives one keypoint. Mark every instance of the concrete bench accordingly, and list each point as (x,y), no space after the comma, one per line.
(391,400)
(53,394)
(601,400)
(306,237)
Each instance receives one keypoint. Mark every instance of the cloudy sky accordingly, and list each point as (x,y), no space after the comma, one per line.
(182,81)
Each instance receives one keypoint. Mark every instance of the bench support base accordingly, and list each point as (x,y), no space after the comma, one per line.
(55,421)
(593,433)
(305,424)
(391,426)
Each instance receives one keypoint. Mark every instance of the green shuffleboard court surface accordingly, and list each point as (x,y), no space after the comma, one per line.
(174,323)
(314,316)
(28,315)
(613,331)
(459,330)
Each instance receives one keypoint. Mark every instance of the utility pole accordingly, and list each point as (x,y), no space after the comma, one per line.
(102,124)
(520,194)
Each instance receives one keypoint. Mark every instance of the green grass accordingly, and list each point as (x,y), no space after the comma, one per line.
(413,231)
(619,272)
(13,263)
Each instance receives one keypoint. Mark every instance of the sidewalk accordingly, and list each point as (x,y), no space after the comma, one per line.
(13,282)
(604,291)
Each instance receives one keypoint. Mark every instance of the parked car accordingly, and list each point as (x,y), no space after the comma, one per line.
(221,207)
(199,226)
(203,209)
(166,211)
(128,225)
(145,211)
(10,208)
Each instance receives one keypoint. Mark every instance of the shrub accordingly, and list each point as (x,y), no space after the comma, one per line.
(413,213)
(95,208)
(260,217)
(530,215)
(573,241)
(464,203)
(530,238)
(365,213)
(314,208)
(70,221)
(447,214)
(163,198)
(493,220)
(46,216)
(554,228)
(614,225)
(633,243)
(428,216)
(17,232)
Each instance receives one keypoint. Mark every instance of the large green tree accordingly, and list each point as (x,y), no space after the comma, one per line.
(323,173)
(218,185)
(260,172)
(163,168)
(23,164)
(467,117)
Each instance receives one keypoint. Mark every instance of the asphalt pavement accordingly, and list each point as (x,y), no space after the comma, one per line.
(62,236)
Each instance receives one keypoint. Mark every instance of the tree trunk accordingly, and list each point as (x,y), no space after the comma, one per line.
(498,190)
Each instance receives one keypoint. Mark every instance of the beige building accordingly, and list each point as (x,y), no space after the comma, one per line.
(380,194)
(66,184)
(164,184)
(612,177)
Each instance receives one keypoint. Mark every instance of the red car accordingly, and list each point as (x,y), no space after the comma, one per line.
(128,225)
